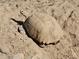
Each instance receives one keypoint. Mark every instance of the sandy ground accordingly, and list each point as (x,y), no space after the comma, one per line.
(14,45)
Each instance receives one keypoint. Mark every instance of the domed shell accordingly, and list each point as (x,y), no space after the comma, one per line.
(43,28)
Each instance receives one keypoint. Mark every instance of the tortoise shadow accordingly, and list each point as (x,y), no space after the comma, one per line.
(18,22)
(21,23)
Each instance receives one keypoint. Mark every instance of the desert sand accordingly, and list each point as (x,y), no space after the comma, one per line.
(15,45)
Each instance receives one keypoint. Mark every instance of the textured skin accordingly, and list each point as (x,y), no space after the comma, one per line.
(43,28)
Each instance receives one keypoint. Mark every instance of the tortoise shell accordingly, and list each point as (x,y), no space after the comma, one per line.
(43,28)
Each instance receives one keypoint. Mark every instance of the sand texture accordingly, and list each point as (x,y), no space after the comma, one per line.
(56,20)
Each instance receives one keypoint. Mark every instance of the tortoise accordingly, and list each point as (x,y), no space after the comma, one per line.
(43,29)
